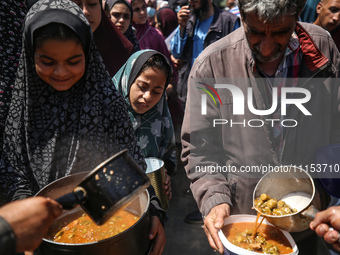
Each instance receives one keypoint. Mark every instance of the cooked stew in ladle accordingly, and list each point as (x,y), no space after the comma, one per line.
(269,206)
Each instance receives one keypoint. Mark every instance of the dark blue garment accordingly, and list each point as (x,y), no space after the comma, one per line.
(309,13)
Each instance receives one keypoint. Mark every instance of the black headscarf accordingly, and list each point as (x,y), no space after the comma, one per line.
(48,16)
(50,134)
(130,34)
(29,3)
(111,3)
(112,45)
(12,15)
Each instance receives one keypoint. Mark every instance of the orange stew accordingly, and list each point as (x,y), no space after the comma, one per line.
(84,230)
(268,239)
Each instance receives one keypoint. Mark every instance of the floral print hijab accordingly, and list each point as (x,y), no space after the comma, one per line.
(50,134)
(153,129)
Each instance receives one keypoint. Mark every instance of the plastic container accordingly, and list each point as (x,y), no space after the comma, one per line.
(231,249)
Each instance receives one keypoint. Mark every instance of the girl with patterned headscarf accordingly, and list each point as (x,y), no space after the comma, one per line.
(112,45)
(142,81)
(65,116)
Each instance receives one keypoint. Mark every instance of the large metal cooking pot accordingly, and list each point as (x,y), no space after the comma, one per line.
(296,187)
(132,241)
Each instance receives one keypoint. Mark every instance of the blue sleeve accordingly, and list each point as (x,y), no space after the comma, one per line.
(237,24)
(177,44)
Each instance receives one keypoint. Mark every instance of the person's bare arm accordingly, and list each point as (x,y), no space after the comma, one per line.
(30,219)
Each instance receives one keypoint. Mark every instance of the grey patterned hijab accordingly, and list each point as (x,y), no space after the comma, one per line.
(50,134)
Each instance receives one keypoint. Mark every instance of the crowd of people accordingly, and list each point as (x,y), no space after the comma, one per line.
(94,77)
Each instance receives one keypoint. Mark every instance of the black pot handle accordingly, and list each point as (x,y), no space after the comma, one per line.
(71,200)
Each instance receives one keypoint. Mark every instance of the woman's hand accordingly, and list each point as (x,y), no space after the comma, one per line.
(167,185)
(157,234)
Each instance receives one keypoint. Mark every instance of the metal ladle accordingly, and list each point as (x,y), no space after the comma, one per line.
(296,187)
(107,188)
(286,183)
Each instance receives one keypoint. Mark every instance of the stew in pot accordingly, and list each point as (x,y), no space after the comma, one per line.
(84,230)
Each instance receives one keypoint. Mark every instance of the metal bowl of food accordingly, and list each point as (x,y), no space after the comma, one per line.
(295,187)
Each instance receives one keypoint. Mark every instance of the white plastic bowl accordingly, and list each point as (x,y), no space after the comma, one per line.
(231,249)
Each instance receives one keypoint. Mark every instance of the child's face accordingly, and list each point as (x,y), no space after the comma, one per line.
(147,90)
(92,11)
(121,16)
(60,63)
(140,15)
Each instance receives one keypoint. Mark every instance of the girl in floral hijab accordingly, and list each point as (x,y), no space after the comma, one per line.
(142,82)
